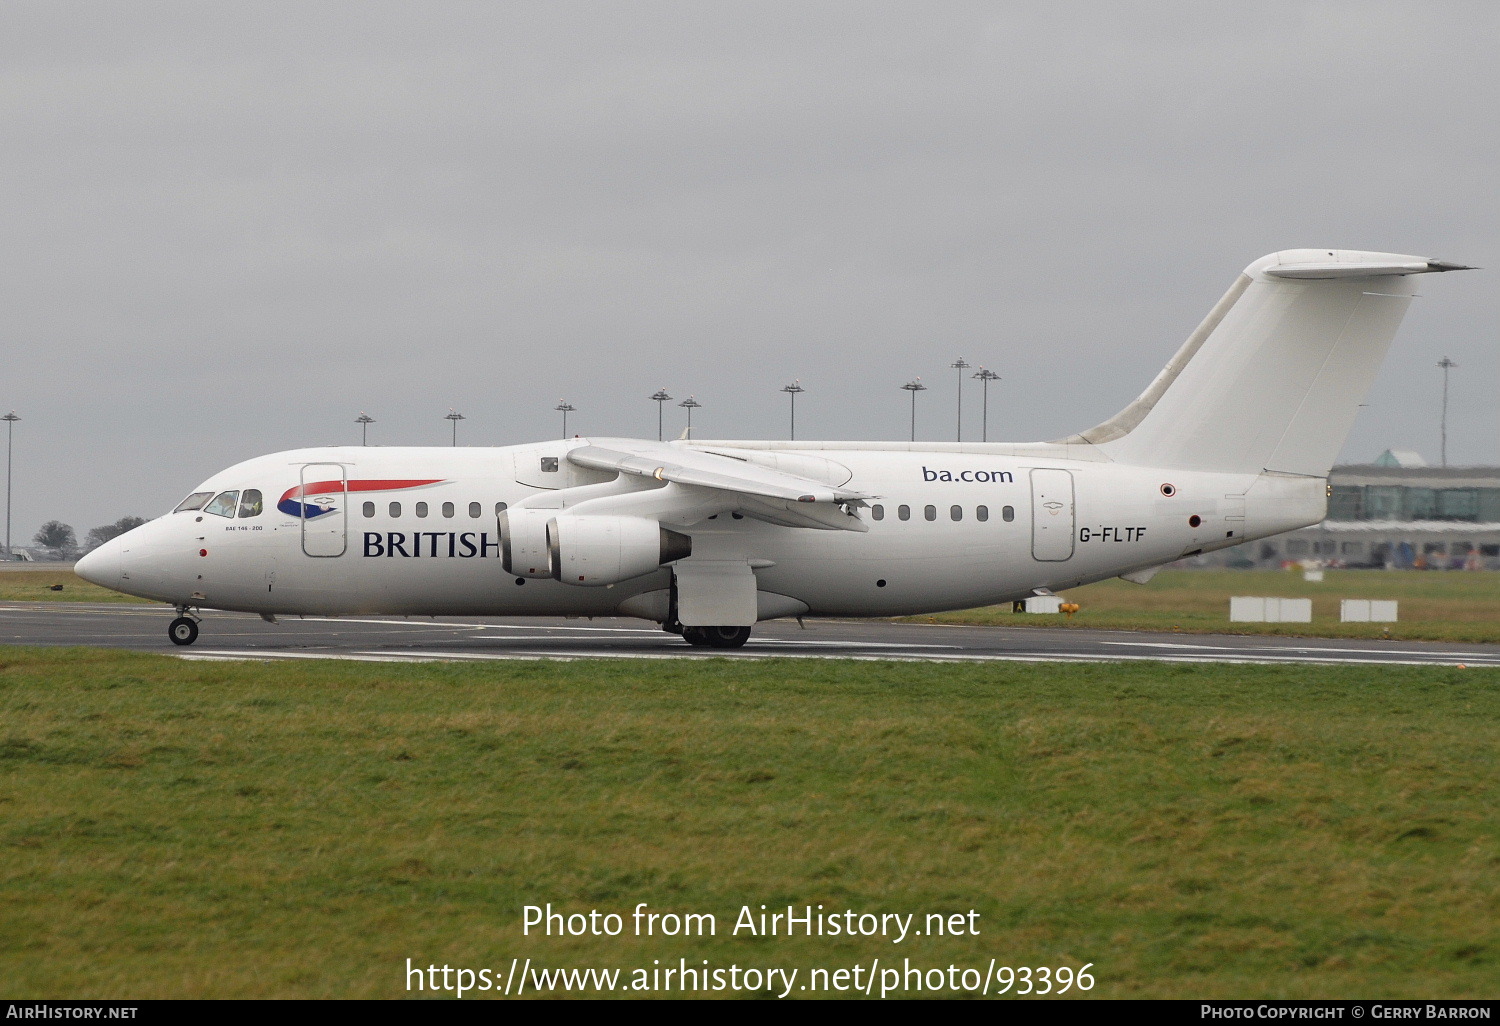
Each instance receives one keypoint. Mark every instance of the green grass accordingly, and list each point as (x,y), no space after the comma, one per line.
(1434,606)
(192,829)
(53,584)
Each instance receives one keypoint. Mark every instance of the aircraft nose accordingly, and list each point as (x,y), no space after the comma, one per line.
(104,566)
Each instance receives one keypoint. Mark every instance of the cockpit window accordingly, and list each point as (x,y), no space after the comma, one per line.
(194,501)
(223,504)
(250,503)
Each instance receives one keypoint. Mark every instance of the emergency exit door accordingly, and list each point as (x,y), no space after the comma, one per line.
(324,514)
(1051,515)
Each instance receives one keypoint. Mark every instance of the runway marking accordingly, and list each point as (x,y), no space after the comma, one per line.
(476,626)
(344,638)
(213,655)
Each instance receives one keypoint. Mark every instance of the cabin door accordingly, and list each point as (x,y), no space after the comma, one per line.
(1051,515)
(324,513)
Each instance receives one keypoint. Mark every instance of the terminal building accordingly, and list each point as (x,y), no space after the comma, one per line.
(1397,513)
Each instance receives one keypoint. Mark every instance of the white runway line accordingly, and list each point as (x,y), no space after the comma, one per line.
(565,655)
(473,626)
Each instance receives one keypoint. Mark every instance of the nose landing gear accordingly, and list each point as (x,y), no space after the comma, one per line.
(184,629)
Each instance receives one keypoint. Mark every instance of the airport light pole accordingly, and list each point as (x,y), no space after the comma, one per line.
(364,420)
(914,387)
(791,391)
(455,417)
(961,365)
(661,398)
(10,427)
(564,407)
(985,375)
(690,404)
(1447,365)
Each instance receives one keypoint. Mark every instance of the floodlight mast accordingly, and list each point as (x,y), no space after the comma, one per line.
(455,417)
(986,376)
(960,365)
(792,390)
(364,420)
(564,407)
(661,398)
(690,404)
(1447,365)
(914,387)
(10,427)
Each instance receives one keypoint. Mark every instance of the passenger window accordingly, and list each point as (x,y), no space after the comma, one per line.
(982,513)
(395,509)
(930,512)
(957,512)
(250,503)
(195,501)
(904,512)
(421,509)
(474,510)
(1008,514)
(223,504)
(500,507)
(369,509)
(877,512)
(448,510)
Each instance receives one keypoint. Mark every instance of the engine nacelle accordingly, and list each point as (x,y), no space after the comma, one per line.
(592,551)
(523,542)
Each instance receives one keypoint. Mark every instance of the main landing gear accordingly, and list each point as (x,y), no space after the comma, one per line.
(702,637)
(716,637)
(184,629)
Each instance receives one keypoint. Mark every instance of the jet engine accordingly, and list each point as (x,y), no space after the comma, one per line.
(523,542)
(591,551)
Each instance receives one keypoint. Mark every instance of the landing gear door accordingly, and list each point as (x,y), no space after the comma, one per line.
(323,499)
(1051,515)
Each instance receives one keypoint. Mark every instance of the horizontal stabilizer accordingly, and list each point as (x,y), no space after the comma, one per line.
(1357,269)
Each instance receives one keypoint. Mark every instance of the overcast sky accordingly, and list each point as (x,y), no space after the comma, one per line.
(230,228)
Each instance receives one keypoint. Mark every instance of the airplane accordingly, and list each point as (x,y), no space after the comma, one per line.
(1233,441)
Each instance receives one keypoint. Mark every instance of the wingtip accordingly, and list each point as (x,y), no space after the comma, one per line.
(1448,265)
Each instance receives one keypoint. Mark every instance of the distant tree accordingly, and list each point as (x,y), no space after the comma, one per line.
(99,535)
(58,537)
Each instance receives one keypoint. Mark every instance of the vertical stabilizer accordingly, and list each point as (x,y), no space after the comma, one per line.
(1274,376)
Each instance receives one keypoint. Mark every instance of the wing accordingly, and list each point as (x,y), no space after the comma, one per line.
(773,496)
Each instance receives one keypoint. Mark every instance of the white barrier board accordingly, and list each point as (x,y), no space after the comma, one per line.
(1258,609)
(1367,611)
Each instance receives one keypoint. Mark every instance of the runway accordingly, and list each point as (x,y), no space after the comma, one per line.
(396,639)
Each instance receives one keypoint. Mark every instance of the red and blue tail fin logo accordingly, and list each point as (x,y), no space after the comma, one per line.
(324,491)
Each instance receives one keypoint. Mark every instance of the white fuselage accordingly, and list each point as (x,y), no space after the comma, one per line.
(949,527)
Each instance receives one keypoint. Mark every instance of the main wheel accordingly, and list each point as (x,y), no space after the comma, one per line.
(725,637)
(182,631)
(716,637)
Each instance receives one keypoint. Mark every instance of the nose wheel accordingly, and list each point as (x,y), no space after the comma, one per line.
(183,630)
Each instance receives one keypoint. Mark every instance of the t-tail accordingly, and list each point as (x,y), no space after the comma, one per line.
(1273,377)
